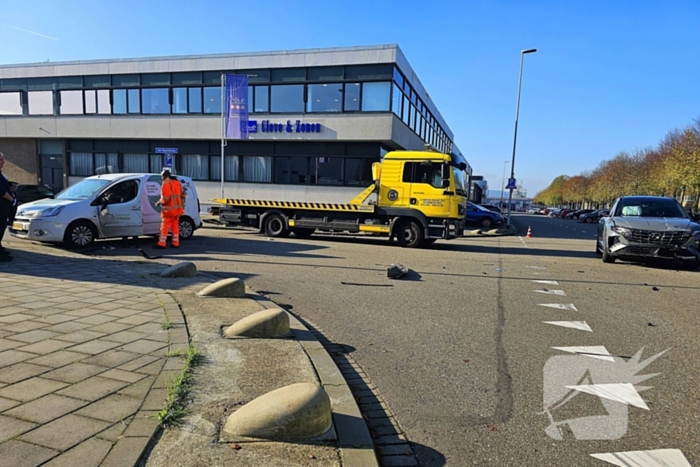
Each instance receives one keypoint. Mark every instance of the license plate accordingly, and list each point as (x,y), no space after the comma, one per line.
(18,226)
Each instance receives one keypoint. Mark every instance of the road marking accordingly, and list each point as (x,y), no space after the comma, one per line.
(547,282)
(593,351)
(654,458)
(541,274)
(536,267)
(552,292)
(580,325)
(560,306)
(619,392)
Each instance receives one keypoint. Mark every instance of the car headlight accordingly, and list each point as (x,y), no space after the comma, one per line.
(624,231)
(51,212)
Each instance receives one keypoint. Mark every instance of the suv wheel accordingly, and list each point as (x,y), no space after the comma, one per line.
(607,257)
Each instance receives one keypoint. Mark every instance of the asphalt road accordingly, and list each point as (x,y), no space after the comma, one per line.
(462,355)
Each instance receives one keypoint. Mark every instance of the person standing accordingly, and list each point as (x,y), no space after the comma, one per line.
(7,202)
(170,203)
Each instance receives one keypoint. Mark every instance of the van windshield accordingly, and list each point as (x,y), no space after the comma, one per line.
(83,189)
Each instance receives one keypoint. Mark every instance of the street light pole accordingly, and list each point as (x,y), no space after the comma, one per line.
(503,184)
(515,136)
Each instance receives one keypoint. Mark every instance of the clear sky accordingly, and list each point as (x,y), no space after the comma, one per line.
(608,76)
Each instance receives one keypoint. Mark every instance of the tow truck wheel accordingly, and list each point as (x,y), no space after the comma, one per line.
(275,226)
(410,234)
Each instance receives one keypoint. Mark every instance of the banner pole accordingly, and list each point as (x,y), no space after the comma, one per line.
(223,131)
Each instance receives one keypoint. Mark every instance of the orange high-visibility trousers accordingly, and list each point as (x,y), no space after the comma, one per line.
(169,223)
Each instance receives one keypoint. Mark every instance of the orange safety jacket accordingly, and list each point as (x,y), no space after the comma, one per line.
(171,199)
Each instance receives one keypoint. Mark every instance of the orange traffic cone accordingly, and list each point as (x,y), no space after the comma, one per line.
(529,232)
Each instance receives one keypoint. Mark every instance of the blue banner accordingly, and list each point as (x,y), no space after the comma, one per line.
(236,107)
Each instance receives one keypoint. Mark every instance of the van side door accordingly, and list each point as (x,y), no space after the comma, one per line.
(119,210)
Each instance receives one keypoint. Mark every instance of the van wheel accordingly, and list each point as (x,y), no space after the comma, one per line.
(275,226)
(410,234)
(186,228)
(80,234)
(303,233)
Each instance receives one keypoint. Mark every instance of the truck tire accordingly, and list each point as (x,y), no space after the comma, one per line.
(80,234)
(410,234)
(303,233)
(275,226)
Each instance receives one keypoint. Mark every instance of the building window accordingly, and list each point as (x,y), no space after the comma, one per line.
(90,102)
(71,102)
(119,97)
(406,113)
(230,168)
(40,102)
(134,101)
(396,98)
(398,77)
(136,163)
(257,169)
(155,101)
(329,170)
(179,101)
(212,100)
(287,98)
(157,162)
(358,171)
(375,96)
(195,100)
(81,164)
(262,99)
(292,170)
(106,163)
(103,105)
(195,166)
(10,103)
(352,97)
(324,97)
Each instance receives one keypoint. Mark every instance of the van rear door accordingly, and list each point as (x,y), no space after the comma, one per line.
(119,209)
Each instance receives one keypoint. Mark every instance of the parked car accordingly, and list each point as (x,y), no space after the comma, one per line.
(482,216)
(492,208)
(554,212)
(642,227)
(29,193)
(577,214)
(593,216)
(564,212)
(103,206)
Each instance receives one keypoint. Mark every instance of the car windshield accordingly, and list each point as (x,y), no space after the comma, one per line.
(44,191)
(649,208)
(481,208)
(83,189)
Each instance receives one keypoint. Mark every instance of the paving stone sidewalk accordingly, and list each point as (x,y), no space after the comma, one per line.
(84,360)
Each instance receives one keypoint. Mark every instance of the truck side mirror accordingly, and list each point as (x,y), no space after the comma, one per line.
(445,183)
(462,166)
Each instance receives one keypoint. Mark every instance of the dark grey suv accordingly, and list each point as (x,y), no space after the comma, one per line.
(641,227)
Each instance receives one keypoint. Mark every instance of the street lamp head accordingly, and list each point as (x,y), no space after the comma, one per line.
(528,51)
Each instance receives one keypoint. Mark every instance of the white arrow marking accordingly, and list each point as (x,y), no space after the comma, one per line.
(593,351)
(560,306)
(552,292)
(655,458)
(580,325)
(619,392)
(547,282)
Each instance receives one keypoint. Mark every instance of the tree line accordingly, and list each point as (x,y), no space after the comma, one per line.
(670,169)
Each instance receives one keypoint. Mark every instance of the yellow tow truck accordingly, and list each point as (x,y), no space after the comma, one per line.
(421,196)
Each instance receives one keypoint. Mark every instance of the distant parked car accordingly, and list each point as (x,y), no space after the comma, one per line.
(29,193)
(482,216)
(594,216)
(642,227)
(564,212)
(492,208)
(576,214)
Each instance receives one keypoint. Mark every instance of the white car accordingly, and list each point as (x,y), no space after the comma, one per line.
(104,206)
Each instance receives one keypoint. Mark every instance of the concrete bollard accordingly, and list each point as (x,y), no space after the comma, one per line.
(186,269)
(229,288)
(296,412)
(267,323)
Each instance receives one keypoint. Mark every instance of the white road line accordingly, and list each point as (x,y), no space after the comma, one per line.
(552,292)
(580,325)
(560,306)
(546,282)
(619,392)
(653,458)
(541,274)
(536,267)
(593,351)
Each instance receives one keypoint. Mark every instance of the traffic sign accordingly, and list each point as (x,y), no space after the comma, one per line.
(166,150)
(511,184)
(169,160)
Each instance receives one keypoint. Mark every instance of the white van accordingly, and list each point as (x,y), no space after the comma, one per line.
(103,206)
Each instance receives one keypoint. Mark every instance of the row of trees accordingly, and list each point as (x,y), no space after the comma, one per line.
(670,169)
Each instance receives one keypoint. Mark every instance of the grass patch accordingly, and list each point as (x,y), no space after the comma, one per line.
(167,324)
(179,389)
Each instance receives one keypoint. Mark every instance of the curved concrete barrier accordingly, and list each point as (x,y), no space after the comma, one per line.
(267,323)
(186,269)
(229,288)
(296,412)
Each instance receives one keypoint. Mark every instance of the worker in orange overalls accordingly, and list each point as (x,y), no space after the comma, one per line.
(170,203)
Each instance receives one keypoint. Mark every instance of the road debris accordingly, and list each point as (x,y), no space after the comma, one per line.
(147,256)
(396,271)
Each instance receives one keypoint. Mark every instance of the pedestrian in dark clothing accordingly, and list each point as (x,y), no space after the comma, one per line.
(13,211)
(7,202)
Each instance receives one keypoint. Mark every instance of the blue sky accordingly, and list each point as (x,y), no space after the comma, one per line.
(608,76)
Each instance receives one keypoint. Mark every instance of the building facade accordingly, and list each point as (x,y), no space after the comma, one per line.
(318,120)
